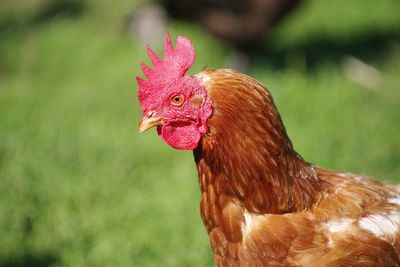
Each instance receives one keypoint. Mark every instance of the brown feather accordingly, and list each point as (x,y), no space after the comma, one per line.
(263,205)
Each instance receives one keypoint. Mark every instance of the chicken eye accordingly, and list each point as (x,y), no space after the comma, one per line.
(177,100)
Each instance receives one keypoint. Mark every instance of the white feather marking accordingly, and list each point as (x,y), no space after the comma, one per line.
(359,178)
(394,200)
(251,221)
(204,78)
(355,177)
(330,241)
(381,224)
(339,225)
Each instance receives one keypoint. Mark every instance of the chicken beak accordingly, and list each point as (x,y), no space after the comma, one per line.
(149,122)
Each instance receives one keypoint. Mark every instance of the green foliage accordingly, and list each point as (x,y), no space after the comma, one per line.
(81,187)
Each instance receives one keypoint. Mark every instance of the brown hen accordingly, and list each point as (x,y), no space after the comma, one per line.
(261,203)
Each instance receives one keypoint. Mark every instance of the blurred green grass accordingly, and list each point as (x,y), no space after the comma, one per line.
(81,187)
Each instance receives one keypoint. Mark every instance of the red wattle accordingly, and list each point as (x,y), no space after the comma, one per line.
(180,135)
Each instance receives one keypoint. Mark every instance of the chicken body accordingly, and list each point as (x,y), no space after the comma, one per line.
(263,205)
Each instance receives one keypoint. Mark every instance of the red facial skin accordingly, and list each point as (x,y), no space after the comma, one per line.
(183,124)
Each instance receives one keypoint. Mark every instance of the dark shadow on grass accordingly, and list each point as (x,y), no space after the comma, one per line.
(60,8)
(369,47)
(53,10)
(31,260)
(19,24)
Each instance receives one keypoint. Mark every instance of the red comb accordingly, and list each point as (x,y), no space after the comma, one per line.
(174,65)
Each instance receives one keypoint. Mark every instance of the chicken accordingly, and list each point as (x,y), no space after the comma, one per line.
(261,203)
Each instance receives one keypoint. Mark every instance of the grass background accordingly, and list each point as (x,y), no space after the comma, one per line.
(81,187)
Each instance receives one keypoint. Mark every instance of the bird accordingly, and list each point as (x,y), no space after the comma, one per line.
(261,203)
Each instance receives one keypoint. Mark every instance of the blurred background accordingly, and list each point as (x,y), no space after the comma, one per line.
(80,187)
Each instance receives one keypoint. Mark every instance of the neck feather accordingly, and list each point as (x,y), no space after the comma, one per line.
(247,153)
